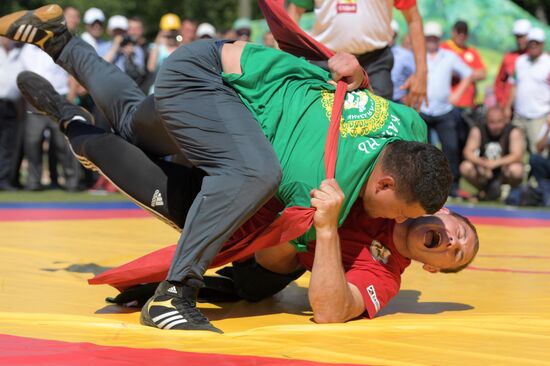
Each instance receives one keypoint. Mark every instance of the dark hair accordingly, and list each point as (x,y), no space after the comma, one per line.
(476,245)
(421,171)
(136,19)
(461,27)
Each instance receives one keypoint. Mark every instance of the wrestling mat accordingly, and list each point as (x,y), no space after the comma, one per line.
(495,313)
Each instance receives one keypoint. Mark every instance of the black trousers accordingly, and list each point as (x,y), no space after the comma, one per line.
(446,128)
(193,114)
(9,126)
(378,65)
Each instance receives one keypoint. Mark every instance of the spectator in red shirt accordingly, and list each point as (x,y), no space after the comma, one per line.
(502,86)
(470,56)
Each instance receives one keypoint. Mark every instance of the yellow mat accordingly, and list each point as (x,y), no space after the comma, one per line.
(497,314)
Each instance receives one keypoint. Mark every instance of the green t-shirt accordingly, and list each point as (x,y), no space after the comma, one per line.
(292,101)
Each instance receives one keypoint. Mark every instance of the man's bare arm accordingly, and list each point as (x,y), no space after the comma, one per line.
(416,83)
(332,298)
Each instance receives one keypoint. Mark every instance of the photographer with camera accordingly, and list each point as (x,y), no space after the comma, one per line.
(122,51)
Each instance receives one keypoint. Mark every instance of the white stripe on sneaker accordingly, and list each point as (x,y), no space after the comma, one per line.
(169,320)
(19,31)
(173,324)
(26,33)
(33,33)
(162,316)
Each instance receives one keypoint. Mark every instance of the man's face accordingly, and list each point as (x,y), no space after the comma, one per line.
(188,32)
(459,38)
(96,29)
(432,43)
(534,48)
(521,41)
(496,121)
(72,17)
(135,29)
(382,202)
(440,241)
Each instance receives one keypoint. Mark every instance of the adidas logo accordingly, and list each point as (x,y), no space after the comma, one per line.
(169,320)
(172,290)
(157,199)
(25,33)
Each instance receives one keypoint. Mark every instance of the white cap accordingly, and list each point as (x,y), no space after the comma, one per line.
(93,15)
(206,30)
(117,22)
(433,29)
(536,34)
(521,27)
(394,26)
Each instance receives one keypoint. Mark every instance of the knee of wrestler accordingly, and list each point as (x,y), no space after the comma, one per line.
(260,177)
(269,174)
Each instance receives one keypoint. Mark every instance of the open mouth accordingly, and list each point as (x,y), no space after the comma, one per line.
(432,239)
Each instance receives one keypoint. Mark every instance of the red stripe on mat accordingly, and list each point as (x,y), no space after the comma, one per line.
(507,270)
(19,351)
(48,214)
(509,221)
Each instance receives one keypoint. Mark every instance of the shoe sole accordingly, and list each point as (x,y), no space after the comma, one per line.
(145,318)
(35,89)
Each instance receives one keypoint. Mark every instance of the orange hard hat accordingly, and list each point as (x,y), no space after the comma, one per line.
(170,21)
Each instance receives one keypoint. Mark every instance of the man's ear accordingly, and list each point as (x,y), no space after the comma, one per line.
(430,268)
(385,182)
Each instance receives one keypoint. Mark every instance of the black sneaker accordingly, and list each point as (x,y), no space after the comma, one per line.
(42,96)
(44,27)
(174,307)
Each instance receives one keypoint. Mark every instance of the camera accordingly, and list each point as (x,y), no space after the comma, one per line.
(126,40)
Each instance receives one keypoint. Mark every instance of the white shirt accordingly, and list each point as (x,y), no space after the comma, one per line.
(532,80)
(441,68)
(88,38)
(38,61)
(355,27)
(10,67)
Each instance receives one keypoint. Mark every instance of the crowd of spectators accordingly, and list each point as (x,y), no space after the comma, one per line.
(28,139)
(498,146)
(502,143)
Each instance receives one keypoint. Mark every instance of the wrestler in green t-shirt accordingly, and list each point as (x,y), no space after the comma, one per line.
(292,101)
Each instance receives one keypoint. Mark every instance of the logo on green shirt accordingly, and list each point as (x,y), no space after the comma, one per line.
(363,112)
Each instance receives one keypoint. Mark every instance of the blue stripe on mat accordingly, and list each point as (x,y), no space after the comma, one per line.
(483,211)
(508,212)
(69,205)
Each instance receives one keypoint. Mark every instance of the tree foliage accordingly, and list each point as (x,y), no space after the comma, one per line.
(538,8)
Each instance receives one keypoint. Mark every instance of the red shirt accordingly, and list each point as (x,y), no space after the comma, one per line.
(404,4)
(370,259)
(502,86)
(472,58)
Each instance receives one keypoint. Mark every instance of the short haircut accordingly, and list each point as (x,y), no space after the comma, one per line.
(476,245)
(421,172)
(136,19)
(461,27)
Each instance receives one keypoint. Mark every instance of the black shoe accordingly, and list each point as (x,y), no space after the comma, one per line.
(174,307)
(40,93)
(43,27)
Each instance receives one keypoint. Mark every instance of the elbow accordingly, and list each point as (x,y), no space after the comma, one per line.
(328,317)
(330,314)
